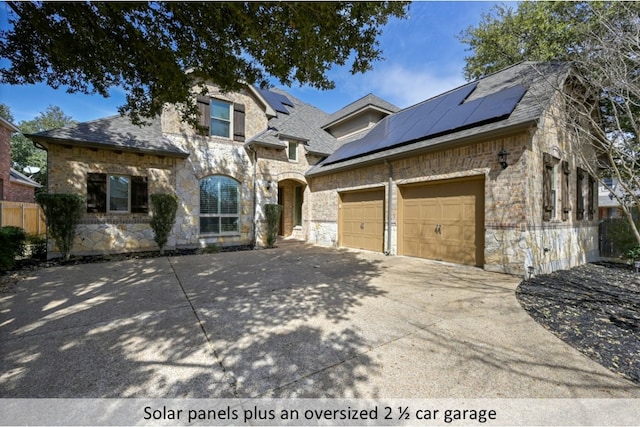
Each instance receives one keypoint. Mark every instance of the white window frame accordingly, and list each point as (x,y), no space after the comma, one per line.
(294,145)
(212,117)
(109,210)
(221,215)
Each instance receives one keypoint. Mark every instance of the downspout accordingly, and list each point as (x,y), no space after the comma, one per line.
(255,196)
(388,250)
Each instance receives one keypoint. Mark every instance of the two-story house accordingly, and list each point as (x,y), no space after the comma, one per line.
(484,174)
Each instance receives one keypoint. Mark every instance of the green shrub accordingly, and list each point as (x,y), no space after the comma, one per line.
(164,208)
(12,245)
(62,212)
(38,246)
(633,253)
(272,213)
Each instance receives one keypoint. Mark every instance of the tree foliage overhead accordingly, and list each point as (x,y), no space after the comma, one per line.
(147,47)
(602,40)
(533,31)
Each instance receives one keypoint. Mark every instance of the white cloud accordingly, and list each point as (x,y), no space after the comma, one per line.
(405,87)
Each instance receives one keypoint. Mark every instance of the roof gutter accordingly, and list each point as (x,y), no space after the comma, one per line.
(39,140)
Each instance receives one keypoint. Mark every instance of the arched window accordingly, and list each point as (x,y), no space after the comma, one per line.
(219,205)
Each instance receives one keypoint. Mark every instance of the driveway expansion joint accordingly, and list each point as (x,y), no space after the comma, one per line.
(232,380)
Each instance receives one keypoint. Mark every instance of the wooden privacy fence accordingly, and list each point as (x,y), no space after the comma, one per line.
(28,216)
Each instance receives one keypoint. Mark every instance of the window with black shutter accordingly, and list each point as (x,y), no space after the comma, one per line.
(204,115)
(238,122)
(591,194)
(220,118)
(117,193)
(97,192)
(548,196)
(139,194)
(566,205)
(580,174)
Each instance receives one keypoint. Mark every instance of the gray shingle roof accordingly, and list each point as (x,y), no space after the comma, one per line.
(115,133)
(369,100)
(303,123)
(540,80)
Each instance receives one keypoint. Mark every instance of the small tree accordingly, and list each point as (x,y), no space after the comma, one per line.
(164,208)
(272,213)
(62,213)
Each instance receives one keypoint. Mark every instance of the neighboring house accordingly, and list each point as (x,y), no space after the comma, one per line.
(426,181)
(14,186)
(608,205)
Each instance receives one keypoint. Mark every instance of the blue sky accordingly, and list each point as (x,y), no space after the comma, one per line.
(423,58)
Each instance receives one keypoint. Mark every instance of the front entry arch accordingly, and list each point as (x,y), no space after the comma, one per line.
(291,197)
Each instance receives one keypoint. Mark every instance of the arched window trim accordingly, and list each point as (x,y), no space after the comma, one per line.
(219,205)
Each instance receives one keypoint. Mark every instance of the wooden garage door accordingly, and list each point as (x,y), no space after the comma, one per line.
(362,220)
(443,220)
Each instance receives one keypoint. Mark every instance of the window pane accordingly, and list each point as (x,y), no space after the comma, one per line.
(118,193)
(229,224)
(209,225)
(220,110)
(293,151)
(209,196)
(228,197)
(220,128)
(219,195)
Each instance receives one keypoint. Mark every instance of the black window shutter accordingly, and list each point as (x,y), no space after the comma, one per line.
(591,207)
(547,195)
(565,190)
(96,192)
(204,115)
(579,194)
(139,194)
(238,122)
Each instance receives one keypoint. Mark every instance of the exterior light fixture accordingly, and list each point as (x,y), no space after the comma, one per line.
(531,270)
(502,158)
(268,185)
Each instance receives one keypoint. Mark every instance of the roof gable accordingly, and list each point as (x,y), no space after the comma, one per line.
(367,102)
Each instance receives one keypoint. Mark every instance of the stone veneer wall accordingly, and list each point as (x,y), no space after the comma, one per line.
(110,232)
(515,236)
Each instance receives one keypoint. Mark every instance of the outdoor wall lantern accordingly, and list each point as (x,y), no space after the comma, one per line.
(502,158)
(268,185)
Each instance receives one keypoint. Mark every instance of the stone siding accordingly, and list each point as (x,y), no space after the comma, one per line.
(512,218)
(100,233)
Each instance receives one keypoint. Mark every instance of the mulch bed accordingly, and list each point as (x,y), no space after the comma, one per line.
(595,308)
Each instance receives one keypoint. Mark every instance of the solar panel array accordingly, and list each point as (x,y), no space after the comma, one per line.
(277,101)
(438,116)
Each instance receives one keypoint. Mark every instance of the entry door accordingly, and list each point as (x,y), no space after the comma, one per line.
(362,220)
(443,221)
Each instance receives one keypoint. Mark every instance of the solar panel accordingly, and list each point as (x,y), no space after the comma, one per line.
(497,105)
(403,126)
(277,101)
(437,116)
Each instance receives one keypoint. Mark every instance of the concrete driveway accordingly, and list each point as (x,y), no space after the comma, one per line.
(298,320)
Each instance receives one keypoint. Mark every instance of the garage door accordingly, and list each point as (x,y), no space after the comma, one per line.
(361,220)
(443,220)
